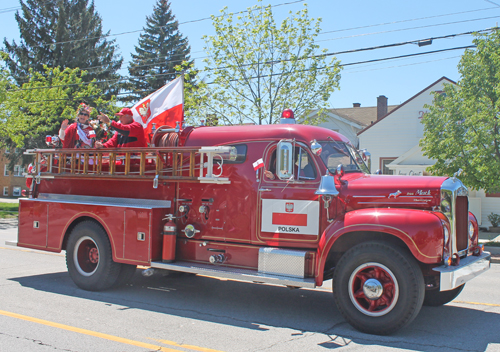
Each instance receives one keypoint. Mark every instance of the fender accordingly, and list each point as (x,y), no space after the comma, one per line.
(420,230)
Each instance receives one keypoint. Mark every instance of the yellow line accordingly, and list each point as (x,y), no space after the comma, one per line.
(478,303)
(103,336)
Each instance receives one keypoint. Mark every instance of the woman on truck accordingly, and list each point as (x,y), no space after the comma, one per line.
(79,134)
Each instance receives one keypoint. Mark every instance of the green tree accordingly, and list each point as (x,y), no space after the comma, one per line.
(64,33)
(161,48)
(36,109)
(462,128)
(256,68)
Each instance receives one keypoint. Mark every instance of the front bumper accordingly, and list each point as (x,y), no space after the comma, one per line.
(451,277)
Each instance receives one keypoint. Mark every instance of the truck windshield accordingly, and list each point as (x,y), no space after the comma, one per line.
(335,153)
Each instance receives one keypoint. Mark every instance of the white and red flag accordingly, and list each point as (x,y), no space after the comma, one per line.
(258,164)
(163,107)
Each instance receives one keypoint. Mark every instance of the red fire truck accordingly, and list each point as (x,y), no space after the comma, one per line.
(197,201)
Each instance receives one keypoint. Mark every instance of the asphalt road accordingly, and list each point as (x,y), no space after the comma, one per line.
(42,310)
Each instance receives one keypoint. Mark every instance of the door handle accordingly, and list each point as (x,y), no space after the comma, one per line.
(264,190)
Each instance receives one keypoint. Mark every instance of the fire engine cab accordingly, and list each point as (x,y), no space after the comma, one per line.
(284,204)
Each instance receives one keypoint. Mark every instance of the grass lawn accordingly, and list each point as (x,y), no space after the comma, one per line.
(8,210)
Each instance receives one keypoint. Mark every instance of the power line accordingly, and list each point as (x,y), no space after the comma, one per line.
(127,78)
(168,24)
(286,73)
(409,20)
(407,29)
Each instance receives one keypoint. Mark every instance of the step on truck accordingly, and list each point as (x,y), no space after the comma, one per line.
(283,204)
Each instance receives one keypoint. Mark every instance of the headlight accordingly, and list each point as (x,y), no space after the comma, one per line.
(446,232)
(471,230)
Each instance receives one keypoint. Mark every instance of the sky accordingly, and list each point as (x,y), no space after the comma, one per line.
(346,25)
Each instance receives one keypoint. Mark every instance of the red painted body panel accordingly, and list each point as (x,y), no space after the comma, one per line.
(421,231)
(374,191)
(122,224)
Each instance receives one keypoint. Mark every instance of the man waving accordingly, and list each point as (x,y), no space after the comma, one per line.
(129,132)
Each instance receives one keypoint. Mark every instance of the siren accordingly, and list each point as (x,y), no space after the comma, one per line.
(287,117)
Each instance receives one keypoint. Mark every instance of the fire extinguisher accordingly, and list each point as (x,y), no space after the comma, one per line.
(169,239)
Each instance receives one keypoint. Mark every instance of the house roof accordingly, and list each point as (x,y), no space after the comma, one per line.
(406,102)
(363,116)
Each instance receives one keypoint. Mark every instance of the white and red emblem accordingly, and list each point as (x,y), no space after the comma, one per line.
(144,110)
(289,207)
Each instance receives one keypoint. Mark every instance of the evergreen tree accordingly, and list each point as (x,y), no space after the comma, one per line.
(64,33)
(161,48)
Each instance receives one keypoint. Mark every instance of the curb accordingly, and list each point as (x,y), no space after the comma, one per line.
(495,253)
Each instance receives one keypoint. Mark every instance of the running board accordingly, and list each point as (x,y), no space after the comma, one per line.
(224,272)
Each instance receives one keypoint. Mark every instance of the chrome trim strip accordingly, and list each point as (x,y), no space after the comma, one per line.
(225,272)
(368,196)
(469,267)
(107,201)
(11,243)
(393,203)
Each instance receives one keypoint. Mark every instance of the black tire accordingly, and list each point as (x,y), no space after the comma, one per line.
(89,258)
(127,271)
(387,273)
(436,298)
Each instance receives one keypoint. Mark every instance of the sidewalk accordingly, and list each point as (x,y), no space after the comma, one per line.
(9,200)
(486,237)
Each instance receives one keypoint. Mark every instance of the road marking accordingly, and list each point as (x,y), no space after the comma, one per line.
(478,303)
(106,336)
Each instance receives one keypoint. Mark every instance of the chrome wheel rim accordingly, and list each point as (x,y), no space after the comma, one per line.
(86,256)
(373,289)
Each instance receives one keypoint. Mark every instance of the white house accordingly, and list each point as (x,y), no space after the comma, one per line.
(393,141)
(350,121)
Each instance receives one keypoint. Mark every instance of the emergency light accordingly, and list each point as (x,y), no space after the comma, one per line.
(287,117)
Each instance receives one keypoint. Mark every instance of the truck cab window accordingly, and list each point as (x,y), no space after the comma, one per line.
(236,155)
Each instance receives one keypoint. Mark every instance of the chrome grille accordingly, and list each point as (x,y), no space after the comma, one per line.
(462,216)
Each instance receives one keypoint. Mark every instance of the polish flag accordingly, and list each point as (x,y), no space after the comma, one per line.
(165,107)
(258,164)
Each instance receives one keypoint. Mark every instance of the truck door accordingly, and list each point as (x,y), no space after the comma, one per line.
(288,209)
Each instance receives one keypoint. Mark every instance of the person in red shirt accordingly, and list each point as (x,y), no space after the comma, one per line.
(79,134)
(130,133)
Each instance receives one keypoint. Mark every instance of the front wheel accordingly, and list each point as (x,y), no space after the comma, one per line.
(89,258)
(378,287)
(436,298)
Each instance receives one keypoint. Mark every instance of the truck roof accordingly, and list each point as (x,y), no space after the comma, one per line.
(201,136)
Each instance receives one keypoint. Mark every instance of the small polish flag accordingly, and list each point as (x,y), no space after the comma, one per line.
(258,164)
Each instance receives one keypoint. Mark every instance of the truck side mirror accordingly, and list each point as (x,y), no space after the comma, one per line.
(284,160)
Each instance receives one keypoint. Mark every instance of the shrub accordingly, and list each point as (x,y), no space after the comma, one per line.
(494,219)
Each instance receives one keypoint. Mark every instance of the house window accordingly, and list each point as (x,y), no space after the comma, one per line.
(18,170)
(6,191)
(16,192)
(5,171)
(383,166)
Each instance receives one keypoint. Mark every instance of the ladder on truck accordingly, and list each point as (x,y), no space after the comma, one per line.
(174,164)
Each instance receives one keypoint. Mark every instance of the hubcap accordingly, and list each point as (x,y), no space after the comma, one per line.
(373,289)
(86,256)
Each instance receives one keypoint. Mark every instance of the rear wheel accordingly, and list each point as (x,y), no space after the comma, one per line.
(89,258)
(127,271)
(378,288)
(436,298)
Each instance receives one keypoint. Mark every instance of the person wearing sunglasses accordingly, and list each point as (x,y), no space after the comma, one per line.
(79,134)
